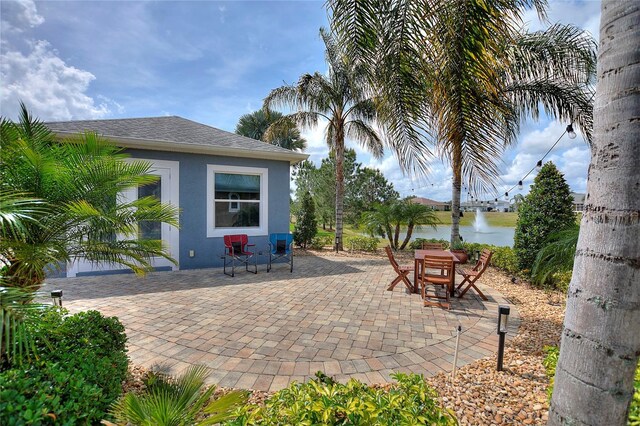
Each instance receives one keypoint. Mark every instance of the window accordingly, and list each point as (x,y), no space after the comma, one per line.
(236,200)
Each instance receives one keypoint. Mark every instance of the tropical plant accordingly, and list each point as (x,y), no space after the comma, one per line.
(342,99)
(80,182)
(463,75)
(323,401)
(547,208)
(600,346)
(285,134)
(16,344)
(556,256)
(178,401)
(387,220)
(306,226)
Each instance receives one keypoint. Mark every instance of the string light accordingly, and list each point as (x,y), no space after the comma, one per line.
(568,131)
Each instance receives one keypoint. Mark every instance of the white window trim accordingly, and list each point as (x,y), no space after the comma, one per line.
(263,229)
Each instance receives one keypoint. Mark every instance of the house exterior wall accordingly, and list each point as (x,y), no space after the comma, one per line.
(193,204)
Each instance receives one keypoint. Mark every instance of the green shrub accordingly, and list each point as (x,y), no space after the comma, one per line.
(505,259)
(48,392)
(362,243)
(547,208)
(323,401)
(417,243)
(84,352)
(320,242)
(88,343)
(551,361)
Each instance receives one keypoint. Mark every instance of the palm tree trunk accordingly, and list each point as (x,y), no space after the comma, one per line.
(455,196)
(339,151)
(601,337)
(408,237)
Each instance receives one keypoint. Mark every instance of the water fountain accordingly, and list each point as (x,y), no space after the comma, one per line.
(480,223)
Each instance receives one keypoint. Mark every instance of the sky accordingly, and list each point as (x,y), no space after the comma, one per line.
(212,62)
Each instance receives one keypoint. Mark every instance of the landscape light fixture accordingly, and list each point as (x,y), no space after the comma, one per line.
(503,320)
(337,243)
(56,295)
(520,185)
(570,132)
(539,165)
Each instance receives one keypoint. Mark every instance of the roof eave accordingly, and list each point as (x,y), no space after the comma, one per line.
(156,145)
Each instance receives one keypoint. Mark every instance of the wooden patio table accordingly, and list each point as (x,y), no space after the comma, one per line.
(419,257)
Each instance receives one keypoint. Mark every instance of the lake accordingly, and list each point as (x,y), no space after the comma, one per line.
(495,235)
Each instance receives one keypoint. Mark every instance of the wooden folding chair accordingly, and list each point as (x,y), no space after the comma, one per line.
(432,246)
(437,271)
(402,270)
(470,276)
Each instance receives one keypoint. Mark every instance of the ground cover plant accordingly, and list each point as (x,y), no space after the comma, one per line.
(324,401)
(76,372)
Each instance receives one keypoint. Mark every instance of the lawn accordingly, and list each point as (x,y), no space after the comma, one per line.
(493,218)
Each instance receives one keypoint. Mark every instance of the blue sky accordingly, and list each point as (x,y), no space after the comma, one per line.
(212,62)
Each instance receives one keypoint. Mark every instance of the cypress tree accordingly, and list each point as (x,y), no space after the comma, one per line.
(306,226)
(547,208)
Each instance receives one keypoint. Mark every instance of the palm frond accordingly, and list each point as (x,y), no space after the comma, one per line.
(358,130)
(556,256)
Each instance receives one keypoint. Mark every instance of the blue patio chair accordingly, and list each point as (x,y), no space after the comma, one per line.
(281,247)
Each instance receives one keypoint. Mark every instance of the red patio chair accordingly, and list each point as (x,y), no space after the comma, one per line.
(235,249)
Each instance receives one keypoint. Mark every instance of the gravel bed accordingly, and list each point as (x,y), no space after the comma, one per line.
(480,395)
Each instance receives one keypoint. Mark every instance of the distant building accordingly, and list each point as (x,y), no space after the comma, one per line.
(485,206)
(578,201)
(436,205)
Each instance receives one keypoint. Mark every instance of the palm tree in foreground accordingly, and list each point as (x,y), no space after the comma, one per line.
(74,207)
(341,98)
(463,75)
(285,134)
(600,343)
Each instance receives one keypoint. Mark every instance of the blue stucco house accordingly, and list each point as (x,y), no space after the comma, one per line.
(222,182)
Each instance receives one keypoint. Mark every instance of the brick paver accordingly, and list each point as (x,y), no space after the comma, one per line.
(264,331)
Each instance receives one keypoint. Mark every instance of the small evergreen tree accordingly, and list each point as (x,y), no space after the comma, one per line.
(306,226)
(547,208)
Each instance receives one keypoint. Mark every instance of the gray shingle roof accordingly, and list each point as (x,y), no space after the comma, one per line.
(177,133)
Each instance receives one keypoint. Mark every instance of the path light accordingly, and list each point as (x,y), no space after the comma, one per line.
(503,320)
(570,132)
(56,295)
(539,165)
(520,185)
(337,243)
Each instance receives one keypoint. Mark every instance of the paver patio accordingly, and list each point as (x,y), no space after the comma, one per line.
(264,331)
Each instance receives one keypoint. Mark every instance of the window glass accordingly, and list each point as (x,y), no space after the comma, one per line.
(148,230)
(236,200)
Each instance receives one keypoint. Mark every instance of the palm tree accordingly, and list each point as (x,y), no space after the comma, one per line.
(285,134)
(79,183)
(600,343)
(179,401)
(342,99)
(388,220)
(462,75)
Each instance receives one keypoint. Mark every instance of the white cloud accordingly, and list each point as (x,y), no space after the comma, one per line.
(50,88)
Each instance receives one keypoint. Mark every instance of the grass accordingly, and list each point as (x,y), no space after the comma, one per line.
(493,218)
